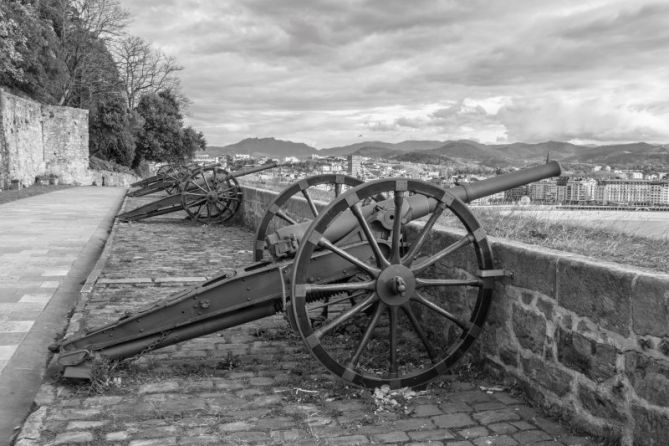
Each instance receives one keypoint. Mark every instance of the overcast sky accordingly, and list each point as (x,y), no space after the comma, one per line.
(335,72)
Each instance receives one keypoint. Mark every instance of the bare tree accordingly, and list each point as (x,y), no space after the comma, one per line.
(144,70)
(80,24)
(103,19)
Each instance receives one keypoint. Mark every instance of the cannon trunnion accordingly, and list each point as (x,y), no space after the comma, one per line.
(375,293)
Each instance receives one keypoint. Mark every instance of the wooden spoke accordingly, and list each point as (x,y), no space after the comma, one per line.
(312,206)
(353,362)
(420,332)
(465,325)
(393,340)
(420,283)
(200,187)
(346,315)
(418,244)
(424,263)
(206,183)
(397,227)
(194,194)
(345,255)
(381,260)
(282,215)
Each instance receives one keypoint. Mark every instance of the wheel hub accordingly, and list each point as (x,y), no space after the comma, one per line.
(395,285)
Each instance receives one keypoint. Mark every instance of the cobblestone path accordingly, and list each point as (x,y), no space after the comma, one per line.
(253,384)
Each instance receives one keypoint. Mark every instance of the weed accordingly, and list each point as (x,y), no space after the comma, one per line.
(102,379)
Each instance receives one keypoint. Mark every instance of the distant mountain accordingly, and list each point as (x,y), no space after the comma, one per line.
(463,152)
(410,146)
(537,152)
(623,154)
(404,146)
(467,151)
(271,147)
(376,152)
(352,148)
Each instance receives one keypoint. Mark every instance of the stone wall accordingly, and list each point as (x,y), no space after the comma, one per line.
(38,140)
(109,178)
(587,340)
(65,142)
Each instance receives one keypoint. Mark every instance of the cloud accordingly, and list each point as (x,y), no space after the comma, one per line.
(481,69)
(601,118)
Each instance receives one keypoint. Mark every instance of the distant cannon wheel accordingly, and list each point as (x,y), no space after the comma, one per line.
(162,170)
(416,309)
(172,175)
(318,187)
(211,194)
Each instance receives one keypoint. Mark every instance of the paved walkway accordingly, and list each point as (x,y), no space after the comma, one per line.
(48,243)
(251,384)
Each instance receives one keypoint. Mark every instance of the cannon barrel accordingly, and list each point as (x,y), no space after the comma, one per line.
(250,170)
(472,191)
(421,206)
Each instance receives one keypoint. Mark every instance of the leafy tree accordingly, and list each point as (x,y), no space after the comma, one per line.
(12,40)
(162,137)
(31,59)
(192,141)
(110,129)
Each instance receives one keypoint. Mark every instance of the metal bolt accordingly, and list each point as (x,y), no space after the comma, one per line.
(400,285)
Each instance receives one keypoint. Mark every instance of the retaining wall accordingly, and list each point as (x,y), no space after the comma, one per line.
(587,340)
(38,140)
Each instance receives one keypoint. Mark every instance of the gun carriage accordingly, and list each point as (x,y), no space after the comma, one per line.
(167,179)
(207,194)
(398,312)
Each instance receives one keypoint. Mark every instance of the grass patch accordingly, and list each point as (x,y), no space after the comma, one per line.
(12,195)
(605,244)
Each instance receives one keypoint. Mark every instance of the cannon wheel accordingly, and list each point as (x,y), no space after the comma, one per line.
(172,176)
(277,211)
(381,339)
(211,194)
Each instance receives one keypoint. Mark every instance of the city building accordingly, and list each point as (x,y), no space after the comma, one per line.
(639,192)
(354,165)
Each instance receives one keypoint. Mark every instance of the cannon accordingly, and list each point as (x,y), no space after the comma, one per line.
(209,193)
(402,309)
(168,178)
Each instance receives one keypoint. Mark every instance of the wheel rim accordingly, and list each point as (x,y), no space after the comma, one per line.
(395,295)
(277,212)
(211,194)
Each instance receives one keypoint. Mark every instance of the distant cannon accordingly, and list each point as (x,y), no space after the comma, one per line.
(207,194)
(364,258)
(168,179)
